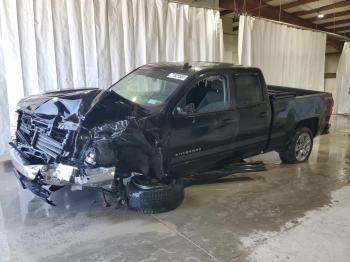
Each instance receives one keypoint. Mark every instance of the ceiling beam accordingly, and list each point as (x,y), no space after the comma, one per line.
(297,3)
(253,7)
(337,22)
(323,8)
(333,53)
(333,15)
(340,29)
(225,12)
(330,75)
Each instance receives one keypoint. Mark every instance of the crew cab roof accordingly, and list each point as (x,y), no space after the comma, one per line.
(190,67)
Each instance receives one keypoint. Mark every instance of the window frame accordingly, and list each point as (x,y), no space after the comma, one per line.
(227,85)
(234,76)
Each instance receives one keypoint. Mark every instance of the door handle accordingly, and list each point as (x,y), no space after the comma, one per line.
(192,118)
(263,114)
(228,121)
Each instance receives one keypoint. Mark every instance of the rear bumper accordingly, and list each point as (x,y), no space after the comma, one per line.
(59,174)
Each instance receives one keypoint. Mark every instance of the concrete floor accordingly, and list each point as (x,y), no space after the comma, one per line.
(289,213)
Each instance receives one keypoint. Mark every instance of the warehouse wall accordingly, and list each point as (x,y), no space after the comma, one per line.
(47,46)
(230,41)
(330,84)
(230,55)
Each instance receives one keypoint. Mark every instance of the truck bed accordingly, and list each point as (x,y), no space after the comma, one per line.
(293,105)
(284,92)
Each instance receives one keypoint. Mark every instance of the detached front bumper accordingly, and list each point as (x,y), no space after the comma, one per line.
(60,174)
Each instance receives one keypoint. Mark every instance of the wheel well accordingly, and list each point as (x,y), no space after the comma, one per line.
(311,123)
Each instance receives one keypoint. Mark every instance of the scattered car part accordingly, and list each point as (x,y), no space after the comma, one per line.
(148,196)
(35,186)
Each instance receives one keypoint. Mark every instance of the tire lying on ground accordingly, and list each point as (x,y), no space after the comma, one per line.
(155,198)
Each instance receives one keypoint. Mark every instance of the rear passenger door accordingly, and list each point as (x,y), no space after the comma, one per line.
(254,112)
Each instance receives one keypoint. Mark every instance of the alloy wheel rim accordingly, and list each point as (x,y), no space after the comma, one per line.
(303,146)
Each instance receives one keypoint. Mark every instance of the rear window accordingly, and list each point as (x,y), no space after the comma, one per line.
(248,90)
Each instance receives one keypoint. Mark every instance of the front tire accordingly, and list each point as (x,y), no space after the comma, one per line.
(300,147)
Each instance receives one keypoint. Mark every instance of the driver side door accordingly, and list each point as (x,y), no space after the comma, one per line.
(204,137)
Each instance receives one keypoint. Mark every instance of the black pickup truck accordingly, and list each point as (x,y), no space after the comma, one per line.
(158,124)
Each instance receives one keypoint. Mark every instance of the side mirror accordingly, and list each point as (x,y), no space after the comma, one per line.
(186,110)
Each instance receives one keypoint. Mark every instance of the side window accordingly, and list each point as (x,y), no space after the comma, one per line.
(208,95)
(248,90)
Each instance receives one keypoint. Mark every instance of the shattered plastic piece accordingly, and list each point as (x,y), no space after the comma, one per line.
(64,172)
(110,129)
(91,159)
(35,186)
(81,180)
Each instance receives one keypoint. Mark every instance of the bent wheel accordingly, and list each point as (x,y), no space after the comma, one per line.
(151,198)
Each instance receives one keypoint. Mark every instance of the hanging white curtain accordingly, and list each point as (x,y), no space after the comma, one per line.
(287,56)
(48,45)
(343,82)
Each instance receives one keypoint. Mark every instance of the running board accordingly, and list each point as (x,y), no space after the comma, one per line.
(217,175)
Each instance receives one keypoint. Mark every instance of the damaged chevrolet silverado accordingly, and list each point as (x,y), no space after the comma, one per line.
(159,124)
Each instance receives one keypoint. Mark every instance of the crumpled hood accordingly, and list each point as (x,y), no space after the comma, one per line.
(71,105)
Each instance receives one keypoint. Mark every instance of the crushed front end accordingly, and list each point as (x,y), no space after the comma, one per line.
(94,137)
(55,144)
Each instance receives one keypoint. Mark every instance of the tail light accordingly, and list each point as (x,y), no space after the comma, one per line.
(330,107)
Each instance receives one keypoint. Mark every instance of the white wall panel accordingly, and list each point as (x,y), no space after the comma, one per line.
(89,39)
(11,76)
(343,82)
(63,54)
(27,45)
(51,45)
(287,56)
(45,46)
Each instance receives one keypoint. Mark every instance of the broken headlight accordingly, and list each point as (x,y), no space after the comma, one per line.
(102,152)
(91,158)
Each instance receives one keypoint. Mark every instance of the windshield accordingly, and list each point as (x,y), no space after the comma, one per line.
(146,88)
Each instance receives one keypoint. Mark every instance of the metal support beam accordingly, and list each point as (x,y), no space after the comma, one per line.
(253,7)
(330,75)
(329,16)
(341,29)
(323,8)
(297,3)
(334,23)
(225,12)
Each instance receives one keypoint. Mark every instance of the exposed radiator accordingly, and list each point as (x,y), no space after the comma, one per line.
(40,138)
(49,145)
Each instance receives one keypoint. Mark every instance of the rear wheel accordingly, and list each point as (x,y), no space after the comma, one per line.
(300,147)
(151,197)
